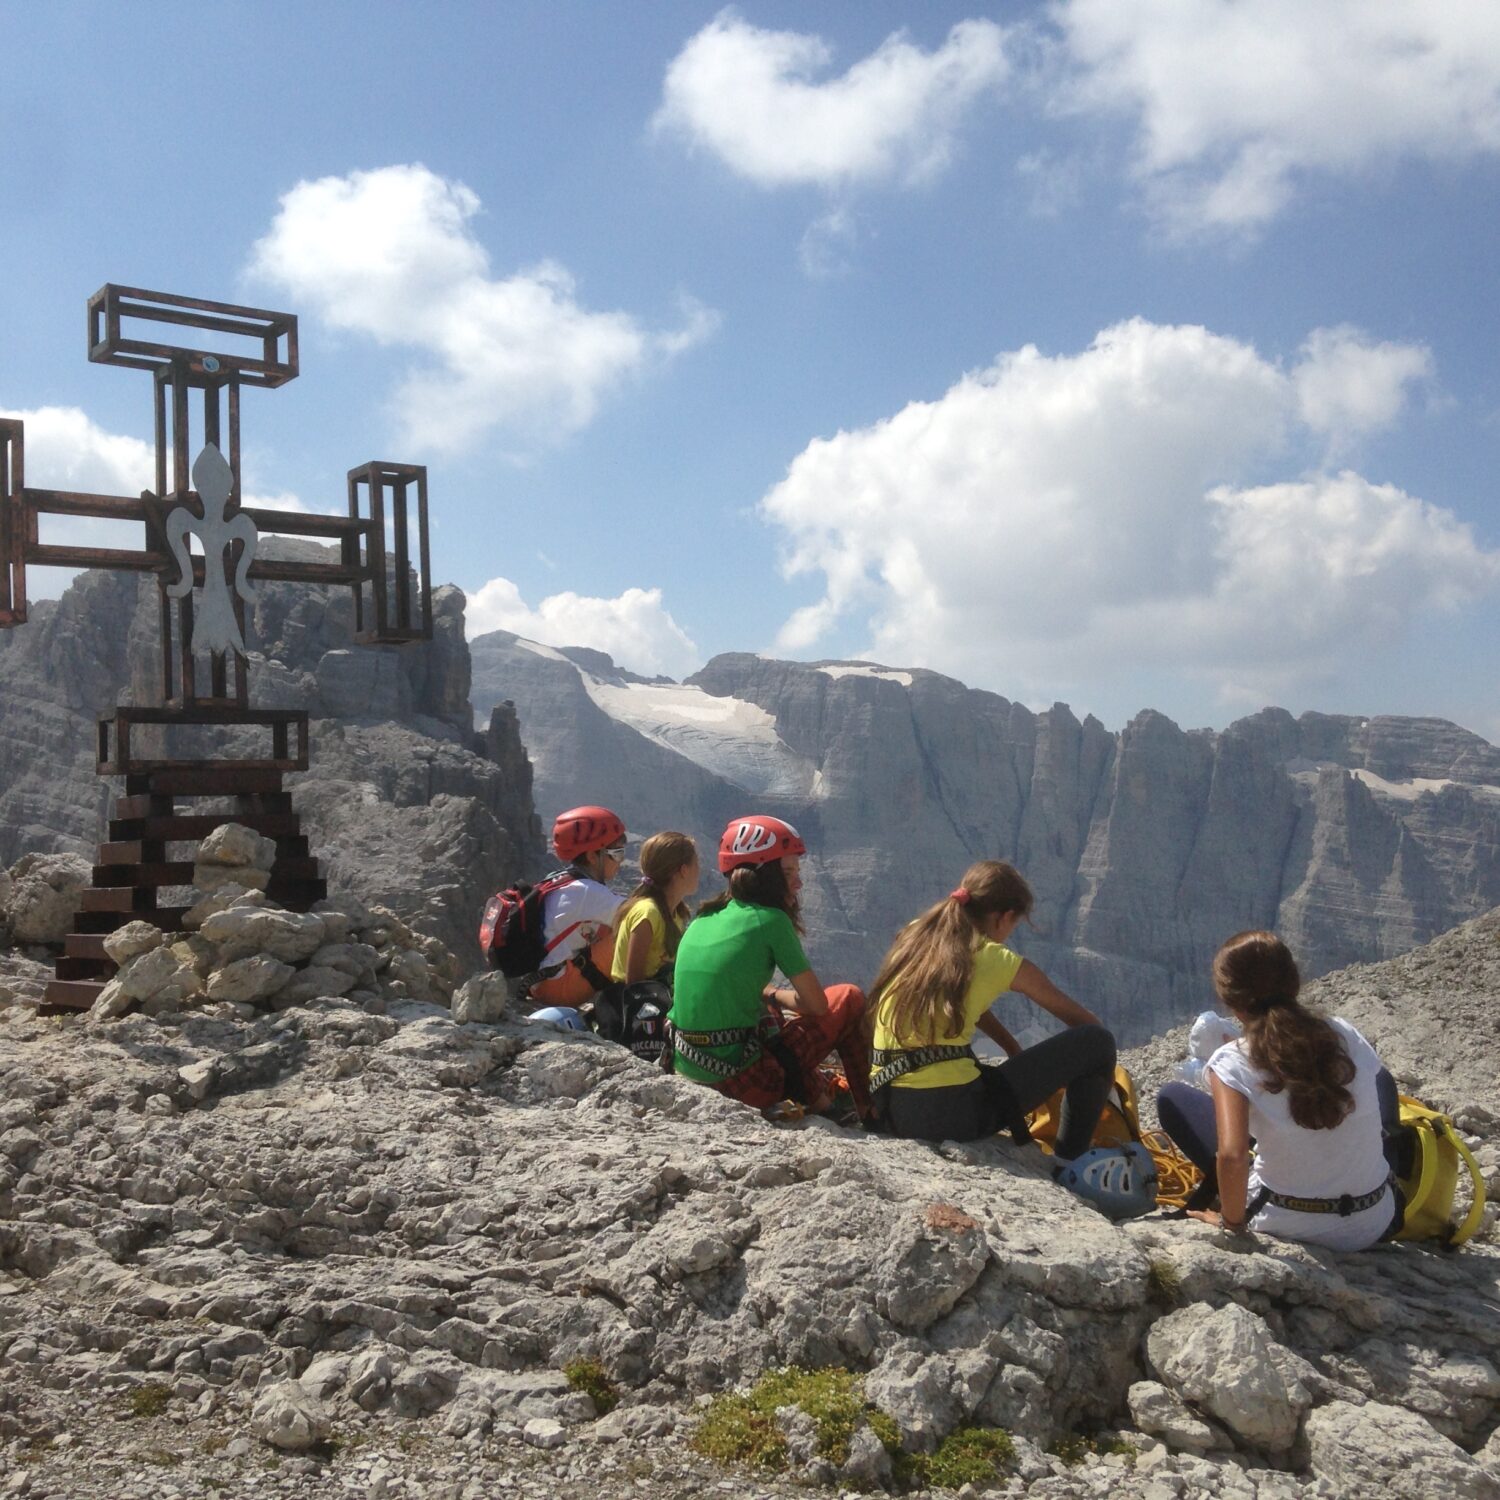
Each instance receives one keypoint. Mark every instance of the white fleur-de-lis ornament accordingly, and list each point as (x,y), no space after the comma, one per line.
(215,627)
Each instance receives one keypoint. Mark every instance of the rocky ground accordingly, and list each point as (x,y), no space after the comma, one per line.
(299,1244)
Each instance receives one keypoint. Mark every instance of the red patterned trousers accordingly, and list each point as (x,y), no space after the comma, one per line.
(810,1039)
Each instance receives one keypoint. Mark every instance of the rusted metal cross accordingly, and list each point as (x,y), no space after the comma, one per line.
(203,596)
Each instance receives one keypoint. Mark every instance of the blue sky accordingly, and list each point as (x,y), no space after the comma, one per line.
(1137,353)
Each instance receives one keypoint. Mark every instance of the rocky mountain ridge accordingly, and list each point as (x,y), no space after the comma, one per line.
(404,799)
(1357,839)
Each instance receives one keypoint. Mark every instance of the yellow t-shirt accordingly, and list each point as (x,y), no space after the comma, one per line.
(995,970)
(656,956)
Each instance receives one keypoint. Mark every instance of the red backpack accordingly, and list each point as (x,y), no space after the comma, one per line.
(510,932)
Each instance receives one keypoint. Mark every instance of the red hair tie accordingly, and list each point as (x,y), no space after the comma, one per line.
(960,895)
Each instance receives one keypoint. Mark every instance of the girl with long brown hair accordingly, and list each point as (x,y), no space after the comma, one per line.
(732,1029)
(649,925)
(935,989)
(1309,1094)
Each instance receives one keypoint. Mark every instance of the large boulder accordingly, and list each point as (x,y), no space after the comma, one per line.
(45,890)
(1376,1449)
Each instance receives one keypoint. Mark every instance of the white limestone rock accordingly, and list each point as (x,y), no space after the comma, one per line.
(1156,1410)
(483,998)
(1376,1449)
(45,890)
(247,980)
(288,1417)
(313,982)
(221,899)
(211,878)
(151,971)
(241,931)
(232,844)
(132,939)
(1224,1361)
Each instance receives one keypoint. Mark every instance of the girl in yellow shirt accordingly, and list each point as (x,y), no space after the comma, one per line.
(935,989)
(650,923)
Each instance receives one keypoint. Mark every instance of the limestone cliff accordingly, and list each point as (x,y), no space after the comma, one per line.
(403,800)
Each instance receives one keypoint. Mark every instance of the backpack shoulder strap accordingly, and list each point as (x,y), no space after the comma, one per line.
(1476,1207)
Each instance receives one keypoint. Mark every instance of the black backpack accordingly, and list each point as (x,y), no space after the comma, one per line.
(646,1005)
(510,932)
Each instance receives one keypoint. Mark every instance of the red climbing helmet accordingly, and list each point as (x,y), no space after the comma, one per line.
(757,840)
(581,830)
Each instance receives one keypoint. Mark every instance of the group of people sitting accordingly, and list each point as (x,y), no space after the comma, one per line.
(1309,1095)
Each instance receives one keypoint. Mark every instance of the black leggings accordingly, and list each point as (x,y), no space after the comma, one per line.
(1187,1115)
(1080,1060)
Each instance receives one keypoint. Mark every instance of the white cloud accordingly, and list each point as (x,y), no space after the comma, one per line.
(1237,104)
(1072,517)
(391,254)
(827,245)
(65,450)
(754,99)
(633,627)
(1347,384)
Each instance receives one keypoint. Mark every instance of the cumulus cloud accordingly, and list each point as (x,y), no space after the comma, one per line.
(1069,517)
(634,627)
(1347,384)
(391,254)
(67,450)
(755,99)
(1236,104)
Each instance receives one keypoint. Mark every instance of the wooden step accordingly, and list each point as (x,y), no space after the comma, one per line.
(91,924)
(86,945)
(85,968)
(132,852)
(297,895)
(164,872)
(191,827)
(142,807)
(204,781)
(117,899)
(71,994)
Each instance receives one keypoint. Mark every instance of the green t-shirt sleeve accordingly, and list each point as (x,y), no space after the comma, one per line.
(786,946)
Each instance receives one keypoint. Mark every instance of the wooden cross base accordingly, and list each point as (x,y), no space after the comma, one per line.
(133,864)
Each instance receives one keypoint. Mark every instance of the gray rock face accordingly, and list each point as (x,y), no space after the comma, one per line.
(404,801)
(1357,839)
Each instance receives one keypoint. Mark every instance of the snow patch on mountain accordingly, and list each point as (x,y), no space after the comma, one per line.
(727,736)
(865,669)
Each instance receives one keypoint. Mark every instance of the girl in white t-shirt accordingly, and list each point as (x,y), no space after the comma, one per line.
(1308,1094)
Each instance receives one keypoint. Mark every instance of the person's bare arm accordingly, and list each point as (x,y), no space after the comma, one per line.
(996,1032)
(1034,984)
(1232,1121)
(807,997)
(637,953)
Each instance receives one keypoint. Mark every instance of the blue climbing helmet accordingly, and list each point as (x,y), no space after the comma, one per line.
(1120,1181)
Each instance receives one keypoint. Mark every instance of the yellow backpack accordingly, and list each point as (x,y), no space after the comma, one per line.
(1119,1124)
(1119,1121)
(1425,1151)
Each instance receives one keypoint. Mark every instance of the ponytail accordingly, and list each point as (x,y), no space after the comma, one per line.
(1256,976)
(931,962)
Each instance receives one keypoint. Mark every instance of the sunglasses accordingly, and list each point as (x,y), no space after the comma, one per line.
(618,852)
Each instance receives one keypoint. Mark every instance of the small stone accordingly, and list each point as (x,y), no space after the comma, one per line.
(234,844)
(211,878)
(198,1078)
(288,1417)
(132,939)
(249,979)
(543,1432)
